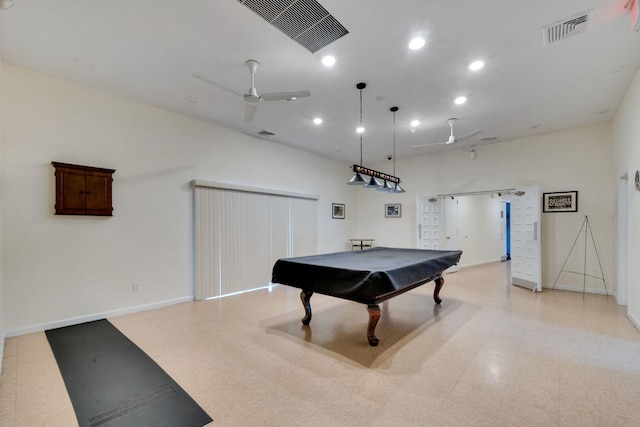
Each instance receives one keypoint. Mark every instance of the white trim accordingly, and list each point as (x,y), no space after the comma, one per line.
(226,186)
(633,320)
(579,289)
(97,316)
(477,264)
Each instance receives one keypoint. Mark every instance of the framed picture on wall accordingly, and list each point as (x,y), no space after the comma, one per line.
(337,210)
(393,210)
(564,201)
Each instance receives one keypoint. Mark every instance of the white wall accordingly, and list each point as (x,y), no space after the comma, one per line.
(576,159)
(626,131)
(58,269)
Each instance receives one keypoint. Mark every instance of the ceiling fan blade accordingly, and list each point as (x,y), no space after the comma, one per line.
(282,96)
(249,111)
(470,134)
(216,84)
(430,145)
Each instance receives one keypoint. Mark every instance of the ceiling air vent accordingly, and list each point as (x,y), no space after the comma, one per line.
(304,21)
(265,132)
(568,27)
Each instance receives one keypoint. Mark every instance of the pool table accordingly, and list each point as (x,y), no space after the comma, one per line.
(368,277)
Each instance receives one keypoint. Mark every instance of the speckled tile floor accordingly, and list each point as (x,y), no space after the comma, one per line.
(491,355)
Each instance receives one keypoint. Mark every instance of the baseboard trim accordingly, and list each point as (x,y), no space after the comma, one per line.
(633,320)
(478,264)
(579,289)
(96,316)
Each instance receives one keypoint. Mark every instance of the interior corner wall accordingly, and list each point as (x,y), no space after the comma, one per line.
(574,159)
(62,269)
(626,132)
(2,329)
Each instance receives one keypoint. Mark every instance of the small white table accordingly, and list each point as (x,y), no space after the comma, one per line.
(361,243)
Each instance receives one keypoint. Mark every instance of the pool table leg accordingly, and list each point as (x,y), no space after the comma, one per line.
(436,291)
(374,316)
(305,296)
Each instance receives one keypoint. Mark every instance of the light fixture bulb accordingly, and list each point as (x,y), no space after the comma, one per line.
(460,100)
(317,121)
(328,61)
(416,43)
(360,129)
(476,65)
(415,123)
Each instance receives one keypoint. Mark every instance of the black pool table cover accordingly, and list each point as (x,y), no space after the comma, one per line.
(369,276)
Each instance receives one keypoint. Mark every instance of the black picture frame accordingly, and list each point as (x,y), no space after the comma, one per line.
(560,201)
(337,210)
(393,210)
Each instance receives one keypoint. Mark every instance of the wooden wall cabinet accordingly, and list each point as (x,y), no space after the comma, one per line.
(83,190)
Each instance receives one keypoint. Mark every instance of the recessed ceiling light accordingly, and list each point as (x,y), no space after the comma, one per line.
(360,129)
(317,121)
(416,43)
(460,100)
(328,61)
(415,123)
(476,65)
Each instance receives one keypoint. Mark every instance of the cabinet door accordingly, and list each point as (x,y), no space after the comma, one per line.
(98,193)
(70,194)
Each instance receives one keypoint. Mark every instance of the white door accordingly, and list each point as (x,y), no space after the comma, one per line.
(526,267)
(428,223)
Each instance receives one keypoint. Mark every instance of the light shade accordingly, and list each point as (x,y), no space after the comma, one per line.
(373,183)
(397,189)
(357,180)
(385,186)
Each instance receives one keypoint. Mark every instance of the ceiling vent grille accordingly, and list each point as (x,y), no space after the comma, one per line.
(304,21)
(265,132)
(566,28)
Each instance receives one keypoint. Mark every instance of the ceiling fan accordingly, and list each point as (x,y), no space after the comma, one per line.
(252,98)
(452,138)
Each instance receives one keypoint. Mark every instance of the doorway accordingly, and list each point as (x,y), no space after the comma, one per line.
(505,230)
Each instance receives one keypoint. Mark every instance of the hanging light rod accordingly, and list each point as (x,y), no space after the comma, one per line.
(360,170)
(502,192)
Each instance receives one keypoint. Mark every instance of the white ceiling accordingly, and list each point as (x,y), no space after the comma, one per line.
(149,49)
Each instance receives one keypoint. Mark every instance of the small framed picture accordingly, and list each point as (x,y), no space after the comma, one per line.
(337,210)
(393,210)
(565,201)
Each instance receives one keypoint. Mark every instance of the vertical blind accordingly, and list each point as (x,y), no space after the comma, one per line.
(240,232)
